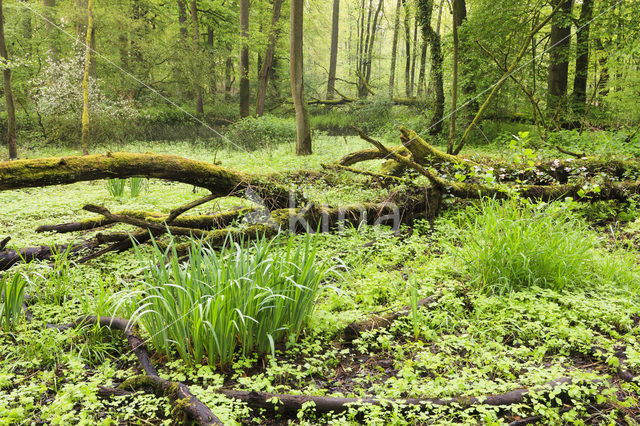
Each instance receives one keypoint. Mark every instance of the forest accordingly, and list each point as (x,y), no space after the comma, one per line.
(308,212)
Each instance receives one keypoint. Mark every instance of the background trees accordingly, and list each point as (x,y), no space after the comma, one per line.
(226,55)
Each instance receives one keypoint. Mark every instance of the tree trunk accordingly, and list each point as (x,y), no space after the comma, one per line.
(414,56)
(454,82)
(372,39)
(49,15)
(244,59)
(27,30)
(559,59)
(196,57)
(182,19)
(425,11)
(296,68)
(333,59)
(265,70)
(228,75)
(407,46)
(423,69)
(582,59)
(8,94)
(394,49)
(85,81)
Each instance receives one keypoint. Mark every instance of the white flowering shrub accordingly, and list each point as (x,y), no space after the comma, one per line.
(57,95)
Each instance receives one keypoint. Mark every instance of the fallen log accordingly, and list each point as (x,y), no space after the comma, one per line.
(291,404)
(11,257)
(209,221)
(179,395)
(66,170)
(353,330)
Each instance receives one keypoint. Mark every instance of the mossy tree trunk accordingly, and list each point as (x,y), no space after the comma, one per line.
(296,68)
(8,93)
(85,81)
(244,59)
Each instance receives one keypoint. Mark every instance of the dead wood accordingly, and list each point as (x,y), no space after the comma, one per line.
(66,170)
(9,258)
(178,393)
(291,404)
(353,330)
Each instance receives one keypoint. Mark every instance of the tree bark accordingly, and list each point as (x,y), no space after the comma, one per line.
(296,68)
(558,76)
(65,170)
(8,94)
(49,14)
(407,46)
(244,59)
(182,19)
(265,70)
(454,82)
(85,82)
(196,57)
(394,49)
(425,11)
(333,58)
(582,59)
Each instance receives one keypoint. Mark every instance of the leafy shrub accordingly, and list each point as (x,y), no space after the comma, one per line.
(253,133)
(515,245)
(57,95)
(253,297)
(11,299)
(372,114)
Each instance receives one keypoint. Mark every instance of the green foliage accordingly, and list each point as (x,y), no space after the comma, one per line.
(12,289)
(136,186)
(116,187)
(253,133)
(516,245)
(54,282)
(252,296)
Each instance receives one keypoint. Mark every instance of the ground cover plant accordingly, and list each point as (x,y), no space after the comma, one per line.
(493,323)
(406,212)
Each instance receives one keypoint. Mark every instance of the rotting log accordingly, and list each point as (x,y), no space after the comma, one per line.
(291,404)
(66,170)
(9,258)
(178,393)
(205,221)
(353,330)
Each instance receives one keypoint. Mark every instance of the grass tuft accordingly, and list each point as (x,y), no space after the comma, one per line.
(248,297)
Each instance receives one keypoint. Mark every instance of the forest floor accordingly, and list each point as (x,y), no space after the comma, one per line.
(466,343)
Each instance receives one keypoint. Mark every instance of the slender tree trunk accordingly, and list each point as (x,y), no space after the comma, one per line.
(394,49)
(425,12)
(8,94)
(407,44)
(582,60)
(228,75)
(372,40)
(296,64)
(414,56)
(244,59)
(333,59)
(85,81)
(27,30)
(559,59)
(423,69)
(265,71)
(454,83)
(196,57)
(182,19)
(49,14)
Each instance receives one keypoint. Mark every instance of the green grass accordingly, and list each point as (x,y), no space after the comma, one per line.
(515,245)
(248,296)
(12,288)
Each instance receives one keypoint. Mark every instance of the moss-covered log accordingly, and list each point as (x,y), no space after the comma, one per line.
(66,170)
(9,258)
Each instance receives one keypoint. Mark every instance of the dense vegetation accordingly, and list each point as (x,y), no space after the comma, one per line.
(326,212)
